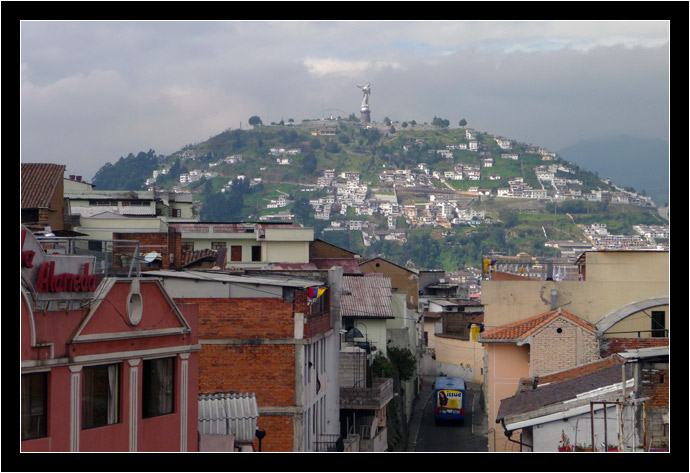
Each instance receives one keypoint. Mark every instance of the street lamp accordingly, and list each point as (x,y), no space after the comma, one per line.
(260,434)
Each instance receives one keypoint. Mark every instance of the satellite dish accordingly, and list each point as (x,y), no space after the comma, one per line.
(149,257)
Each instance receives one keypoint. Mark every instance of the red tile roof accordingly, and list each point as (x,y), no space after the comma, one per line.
(38,183)
(519,331)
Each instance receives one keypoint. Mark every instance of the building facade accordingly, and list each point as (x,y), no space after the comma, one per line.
(623,296)
(273,337)
(108,364)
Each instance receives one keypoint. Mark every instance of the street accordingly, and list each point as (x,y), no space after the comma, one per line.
(447,437)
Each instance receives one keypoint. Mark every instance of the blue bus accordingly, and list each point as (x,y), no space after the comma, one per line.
(449,394)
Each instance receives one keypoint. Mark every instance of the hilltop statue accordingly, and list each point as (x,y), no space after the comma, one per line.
(365,116)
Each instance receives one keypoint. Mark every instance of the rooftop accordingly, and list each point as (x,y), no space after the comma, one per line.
(367,296)
(39,182)
(518,332)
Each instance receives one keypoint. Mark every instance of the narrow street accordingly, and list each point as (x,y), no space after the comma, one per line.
(426,436)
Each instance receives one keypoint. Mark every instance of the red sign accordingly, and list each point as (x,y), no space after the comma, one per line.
(47,280)
(65,282)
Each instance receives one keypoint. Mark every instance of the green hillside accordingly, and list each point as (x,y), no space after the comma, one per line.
(517,225)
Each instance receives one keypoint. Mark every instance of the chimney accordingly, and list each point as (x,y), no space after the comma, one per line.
(71,177)
(78,178)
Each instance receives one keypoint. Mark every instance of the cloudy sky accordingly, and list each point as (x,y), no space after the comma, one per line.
(93,91)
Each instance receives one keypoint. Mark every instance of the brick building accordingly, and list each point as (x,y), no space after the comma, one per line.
(272,337)
(42,202)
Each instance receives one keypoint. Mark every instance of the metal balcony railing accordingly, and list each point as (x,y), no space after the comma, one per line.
(113,257)
(329,443)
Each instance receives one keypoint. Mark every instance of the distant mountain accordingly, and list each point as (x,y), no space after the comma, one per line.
(640,163)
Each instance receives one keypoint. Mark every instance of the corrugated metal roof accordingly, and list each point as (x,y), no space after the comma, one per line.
(229,414)
(366,296)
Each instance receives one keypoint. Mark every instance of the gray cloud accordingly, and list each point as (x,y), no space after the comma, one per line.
(94,91)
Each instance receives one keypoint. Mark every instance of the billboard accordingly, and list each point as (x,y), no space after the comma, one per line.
(449,399)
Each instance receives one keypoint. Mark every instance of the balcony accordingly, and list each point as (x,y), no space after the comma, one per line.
(329,443)
(375,396)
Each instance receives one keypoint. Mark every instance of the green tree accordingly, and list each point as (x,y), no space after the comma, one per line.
(301,209)
(463,122)
(255,121)
(508,217)
(309,163)
(403,362)
(440,122)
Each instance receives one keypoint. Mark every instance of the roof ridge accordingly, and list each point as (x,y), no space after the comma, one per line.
(526,327)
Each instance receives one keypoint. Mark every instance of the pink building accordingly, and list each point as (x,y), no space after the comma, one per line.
(107,363)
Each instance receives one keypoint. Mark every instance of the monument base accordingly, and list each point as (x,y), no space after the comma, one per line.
(365,116)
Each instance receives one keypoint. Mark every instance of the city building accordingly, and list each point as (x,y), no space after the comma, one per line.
(108,363)
(620,302)
(366,307)
(273,337)
(42,206)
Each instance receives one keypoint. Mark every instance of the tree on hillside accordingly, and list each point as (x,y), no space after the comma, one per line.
(128,173)
(463,122)
(301,209)
(440,122)
(255,121)
(309,163)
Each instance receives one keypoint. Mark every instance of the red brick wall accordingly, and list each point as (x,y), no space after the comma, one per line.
(244,318)
(246,364)
(610,346)
(655,385)
(148,242)
(266,370)
(279,434)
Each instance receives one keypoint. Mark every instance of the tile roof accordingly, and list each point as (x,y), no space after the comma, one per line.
(559,396)
(521,330)
(197,256)
(38,183)
(367,296)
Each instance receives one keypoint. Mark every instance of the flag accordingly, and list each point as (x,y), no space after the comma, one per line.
(315,292)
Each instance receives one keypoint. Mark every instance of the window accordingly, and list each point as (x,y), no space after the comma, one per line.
(256,253)
(100,396)
(319,305)
(217,245)
(236,253)
(159,386)
(658,323)
(187,246)
(34,405)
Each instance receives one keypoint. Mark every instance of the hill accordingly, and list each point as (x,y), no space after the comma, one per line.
(253,174)
(639,163)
